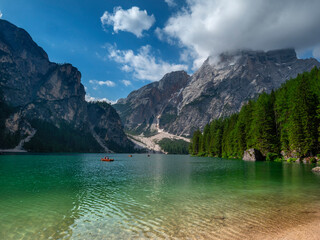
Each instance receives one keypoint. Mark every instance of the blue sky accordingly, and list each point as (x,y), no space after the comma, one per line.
(119,46)
(71,32)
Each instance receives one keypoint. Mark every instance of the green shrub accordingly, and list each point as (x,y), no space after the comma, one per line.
(234,156)
(202,154)
(278,159)
(271,156)
(312,160)
(290,160)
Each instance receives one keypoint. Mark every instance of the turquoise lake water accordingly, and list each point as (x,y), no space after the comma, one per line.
(162,196)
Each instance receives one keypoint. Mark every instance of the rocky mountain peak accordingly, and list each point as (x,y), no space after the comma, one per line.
(242,57)
(173,81)
(276,56)
(42,96)
(20,42)
(282,55)
(141,109)
(219,88)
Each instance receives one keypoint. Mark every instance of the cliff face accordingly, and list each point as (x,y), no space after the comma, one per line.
(142,109)
(36,88)
(106,123)
(219,88)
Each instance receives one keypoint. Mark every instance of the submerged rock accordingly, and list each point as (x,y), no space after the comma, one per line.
(316,169)
(252,155)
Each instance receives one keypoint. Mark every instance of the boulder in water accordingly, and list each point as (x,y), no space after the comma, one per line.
(253,155)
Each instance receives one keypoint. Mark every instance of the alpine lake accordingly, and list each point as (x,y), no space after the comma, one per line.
(77,196)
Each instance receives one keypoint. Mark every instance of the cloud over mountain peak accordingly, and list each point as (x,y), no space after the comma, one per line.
(212,27)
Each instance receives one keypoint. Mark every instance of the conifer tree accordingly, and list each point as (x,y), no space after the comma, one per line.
(285,120)
(302,122)
(263,130)
(196,141)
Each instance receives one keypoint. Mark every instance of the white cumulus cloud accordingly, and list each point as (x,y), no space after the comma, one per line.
(143,64)
(316,52)
(132,20)
(162,36)
(1,14)
(171,3)
(101,83)
(126,82)
(211,27)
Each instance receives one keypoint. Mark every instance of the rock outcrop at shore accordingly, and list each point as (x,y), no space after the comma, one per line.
(33,88)
(219,88)
(316,169)
(253,155)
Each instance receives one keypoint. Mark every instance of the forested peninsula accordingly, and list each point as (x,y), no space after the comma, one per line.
(284,124)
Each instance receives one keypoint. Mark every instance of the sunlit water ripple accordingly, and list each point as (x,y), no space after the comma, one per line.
(157,197)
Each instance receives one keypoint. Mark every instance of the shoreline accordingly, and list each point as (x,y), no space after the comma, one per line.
(307,229)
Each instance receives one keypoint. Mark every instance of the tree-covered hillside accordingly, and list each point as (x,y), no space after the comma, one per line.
(174,146)
(65,138)
(7,139)
(286,121)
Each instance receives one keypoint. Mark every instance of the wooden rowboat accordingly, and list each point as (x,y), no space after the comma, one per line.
(107,159)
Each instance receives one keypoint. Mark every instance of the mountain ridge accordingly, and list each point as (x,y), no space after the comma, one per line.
(38,96)
(217,89)
(151,100)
